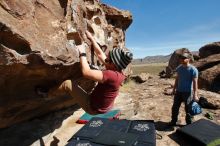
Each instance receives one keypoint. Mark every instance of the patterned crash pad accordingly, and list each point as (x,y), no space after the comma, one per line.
(101,131)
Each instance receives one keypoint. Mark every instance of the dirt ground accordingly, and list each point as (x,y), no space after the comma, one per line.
(137,101)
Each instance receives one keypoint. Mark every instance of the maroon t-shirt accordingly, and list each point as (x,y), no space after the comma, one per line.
(103,96)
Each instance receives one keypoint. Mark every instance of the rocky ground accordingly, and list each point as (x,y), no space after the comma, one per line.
(147,101)
(136,101)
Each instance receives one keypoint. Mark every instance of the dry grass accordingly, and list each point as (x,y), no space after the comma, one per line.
(153,68)
(127,86)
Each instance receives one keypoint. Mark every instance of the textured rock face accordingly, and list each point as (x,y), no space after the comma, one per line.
(38,41)
(209,72)
(209,67)
(209,49)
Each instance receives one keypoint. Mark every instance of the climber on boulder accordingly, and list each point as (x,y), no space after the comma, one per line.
(102,98)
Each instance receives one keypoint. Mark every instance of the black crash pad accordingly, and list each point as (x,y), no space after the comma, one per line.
(203,131)
(102,131)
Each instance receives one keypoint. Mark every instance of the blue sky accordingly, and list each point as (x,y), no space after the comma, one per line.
(161,26)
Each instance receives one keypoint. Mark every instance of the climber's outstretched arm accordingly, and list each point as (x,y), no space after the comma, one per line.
(98,51)
(95,75)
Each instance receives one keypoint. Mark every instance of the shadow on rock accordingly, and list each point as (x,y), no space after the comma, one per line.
(26,133)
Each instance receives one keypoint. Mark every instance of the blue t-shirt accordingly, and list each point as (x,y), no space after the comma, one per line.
(185,77)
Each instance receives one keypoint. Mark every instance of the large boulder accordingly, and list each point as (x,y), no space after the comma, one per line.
(209,72)
(38,48)
(141,78)
(209,67)
(209,49)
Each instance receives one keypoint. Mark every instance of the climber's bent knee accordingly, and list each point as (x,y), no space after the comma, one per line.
(66,85)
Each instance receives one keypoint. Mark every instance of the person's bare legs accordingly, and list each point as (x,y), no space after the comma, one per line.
(60,90)
(82,98)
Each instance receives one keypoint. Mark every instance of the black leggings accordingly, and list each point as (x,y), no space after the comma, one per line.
(180,97)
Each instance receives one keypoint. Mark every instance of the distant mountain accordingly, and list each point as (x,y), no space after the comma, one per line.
(152,59)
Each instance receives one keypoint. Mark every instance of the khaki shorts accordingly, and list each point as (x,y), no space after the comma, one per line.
(82,98)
